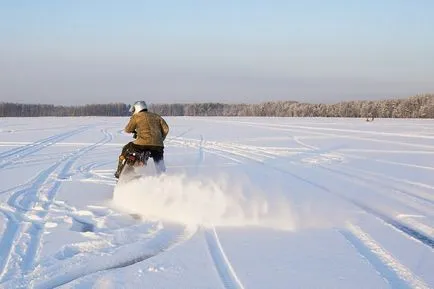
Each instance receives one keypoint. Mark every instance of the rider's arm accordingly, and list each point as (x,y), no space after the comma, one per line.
(164,128)
(131,126)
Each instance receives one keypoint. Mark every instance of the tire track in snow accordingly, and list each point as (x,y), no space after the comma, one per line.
(410,201)
(368,132)
(224,268)
(416,229)
(347,155)
(222,149)
(23,201)
(14,218)
(84,265)
(304,130)
(49,198)
(396,274)
(86,168)
(403,182)
(9,156)
(410,232)
(7,241)
(368,178)
(91,175)
(423,233)
(403,228)
(407,230)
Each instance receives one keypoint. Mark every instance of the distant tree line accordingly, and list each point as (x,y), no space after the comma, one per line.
(420,106)
(29,110)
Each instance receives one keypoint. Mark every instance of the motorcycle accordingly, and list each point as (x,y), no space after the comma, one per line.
(133,158)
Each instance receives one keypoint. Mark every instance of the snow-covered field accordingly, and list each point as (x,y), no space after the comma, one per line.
(246,203)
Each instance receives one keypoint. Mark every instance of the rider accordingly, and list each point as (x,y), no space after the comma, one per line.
(150,130)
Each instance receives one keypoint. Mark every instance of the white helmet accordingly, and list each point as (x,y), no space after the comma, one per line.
(138,106)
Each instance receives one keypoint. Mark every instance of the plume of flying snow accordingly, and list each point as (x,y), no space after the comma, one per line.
(201,200)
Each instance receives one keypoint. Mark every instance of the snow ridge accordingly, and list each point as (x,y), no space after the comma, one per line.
(222,264)
(398,275)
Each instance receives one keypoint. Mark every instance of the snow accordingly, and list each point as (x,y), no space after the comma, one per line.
(245,203)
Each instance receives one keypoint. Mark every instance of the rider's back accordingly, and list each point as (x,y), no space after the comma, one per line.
(150,127)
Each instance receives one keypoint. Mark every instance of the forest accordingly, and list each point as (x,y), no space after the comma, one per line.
(419,106)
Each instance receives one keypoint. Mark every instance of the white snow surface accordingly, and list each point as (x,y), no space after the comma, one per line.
(245,203)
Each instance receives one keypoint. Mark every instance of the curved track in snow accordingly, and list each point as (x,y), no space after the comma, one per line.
(28,207)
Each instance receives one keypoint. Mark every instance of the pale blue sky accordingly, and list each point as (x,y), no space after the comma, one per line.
(84,51)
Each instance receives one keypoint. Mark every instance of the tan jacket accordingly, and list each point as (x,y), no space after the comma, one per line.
(151,128)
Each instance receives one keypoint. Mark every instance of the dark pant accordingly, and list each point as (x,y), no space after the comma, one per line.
(157,153)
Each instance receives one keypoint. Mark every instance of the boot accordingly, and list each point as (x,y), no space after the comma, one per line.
(121,165)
